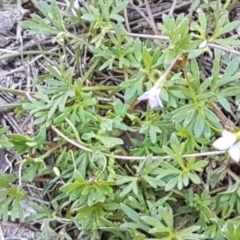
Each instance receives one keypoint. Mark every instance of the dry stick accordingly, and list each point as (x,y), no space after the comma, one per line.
(172,7)
(127,20)
(133,158)
(19,68)
(149,11)
(16,92)
(190,13)
(1,233)
(141,13)
(178,7)
(21,54)
(11,121)
(9,106)
(159,37)
(212,45)
(233,175)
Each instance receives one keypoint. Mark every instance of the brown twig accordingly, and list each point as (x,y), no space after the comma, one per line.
(1,233)
(172,7)
(153,24)
(141,13)
(9,106)
(126,20)
(16,92)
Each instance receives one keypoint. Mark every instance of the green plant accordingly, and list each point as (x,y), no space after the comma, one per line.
(111,165)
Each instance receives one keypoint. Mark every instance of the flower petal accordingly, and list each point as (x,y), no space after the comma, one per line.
(229,136)
(226,141)
(221,144)
(144,96)
(153,102)
(234,152)
(153,97)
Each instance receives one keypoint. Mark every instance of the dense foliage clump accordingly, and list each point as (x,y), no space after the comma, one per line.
(135,136)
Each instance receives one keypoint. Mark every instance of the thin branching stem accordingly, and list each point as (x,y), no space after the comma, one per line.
(134,158)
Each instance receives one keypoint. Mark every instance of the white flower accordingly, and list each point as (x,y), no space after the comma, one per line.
(153,97)
(229,142)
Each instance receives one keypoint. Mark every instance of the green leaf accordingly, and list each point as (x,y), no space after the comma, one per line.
(153,133)
(224,103)
(88,17)
(169,24)
(211,116)
(230,91)
(152,221)
(190,116)
(110,142)
(228,42)
(220,24)
(206,95)
(3,130)
(198,166)
(206,84)
(17,210)
(169,152)
(119,8)
(202,20)
(171,184)
(181,110)
(227,28)
(123,179)
(189,232)
(147,59)
(134,216)
(199,126)
(107,64)
(197,52)
(77,176)
(3,193)
(130,93)
(154,182)
(105,7)
(195,71)
(38,26)
(194,178)
(207,131)
(5,179)
(167,217)
(230,73)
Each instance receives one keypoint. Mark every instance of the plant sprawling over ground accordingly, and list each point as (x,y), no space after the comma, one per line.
(128,126)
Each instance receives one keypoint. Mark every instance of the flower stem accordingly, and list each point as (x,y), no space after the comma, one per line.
(163,78)
(13,91)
